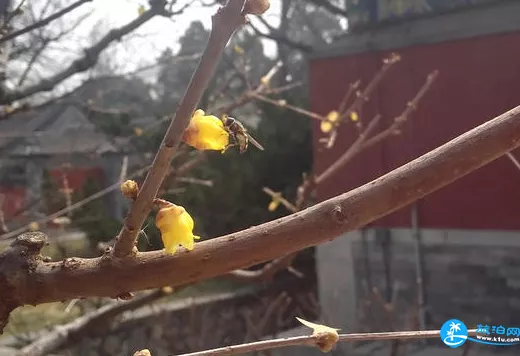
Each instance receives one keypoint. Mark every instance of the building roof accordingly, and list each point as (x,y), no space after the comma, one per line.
(58,129)
(496,17)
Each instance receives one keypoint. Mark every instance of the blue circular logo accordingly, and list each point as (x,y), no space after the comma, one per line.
(454,333)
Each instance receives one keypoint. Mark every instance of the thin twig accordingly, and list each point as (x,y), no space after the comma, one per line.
(278,196)
(85,62)
(363,97)
(350,153)
(75,330)
(513,159)
(70,208)
(313,340)
(352,88)
(283,104)
(43,22)
(401,119)
(227,19)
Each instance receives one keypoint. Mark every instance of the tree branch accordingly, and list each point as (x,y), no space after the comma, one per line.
(43,22)
(88,60)
(62,335)
(34,282)
(315,340)
(225,22)
(333,9)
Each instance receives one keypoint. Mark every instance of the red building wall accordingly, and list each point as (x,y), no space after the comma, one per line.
(478,79)
(77,176)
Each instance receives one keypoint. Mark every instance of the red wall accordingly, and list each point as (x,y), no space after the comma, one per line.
(14,197)
(479,79)
(77,176)
(14,200)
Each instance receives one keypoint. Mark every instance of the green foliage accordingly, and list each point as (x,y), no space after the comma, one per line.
(93,218)
(237,201)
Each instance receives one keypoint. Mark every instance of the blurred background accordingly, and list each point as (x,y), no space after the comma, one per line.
(88,89)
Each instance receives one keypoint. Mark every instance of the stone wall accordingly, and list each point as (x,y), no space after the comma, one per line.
(205,322)
(473,276)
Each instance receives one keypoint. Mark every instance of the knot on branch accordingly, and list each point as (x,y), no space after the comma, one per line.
(339,215)
(29,244)
(17,262)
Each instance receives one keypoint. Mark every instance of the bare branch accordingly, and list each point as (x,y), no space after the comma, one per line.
(225,22)
(333,9)
(75,330)
(44,21)
(410,108)
(352,151)
(314,340)
(81,64)
(40,282)
(513,160)
(72,207)
(280,38)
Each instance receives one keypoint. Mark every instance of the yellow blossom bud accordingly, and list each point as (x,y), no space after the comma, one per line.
(275,202)
(327,336)
(176,227)
(238,49)
(354,116)
(144,352)
(256,7)
(129,188)
(264,80)
(325,126)
(206,132)
(141,10)
(33,226)
(138,131)
(167,290)
(273,205)
(333,116)
(330,121)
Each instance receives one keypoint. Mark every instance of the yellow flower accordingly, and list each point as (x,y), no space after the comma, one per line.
(141,10)
(167,290)
(238,49)
(176,227)
(138,131)
(33,226)
(354,116)
(330,120)
(206,132)
(273,205)
(333,116)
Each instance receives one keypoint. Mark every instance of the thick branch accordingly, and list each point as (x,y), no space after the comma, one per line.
(225,22)
(107,276)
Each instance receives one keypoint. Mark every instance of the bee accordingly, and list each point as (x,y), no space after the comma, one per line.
(239,134)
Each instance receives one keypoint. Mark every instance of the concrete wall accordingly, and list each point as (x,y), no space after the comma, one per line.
(473,276)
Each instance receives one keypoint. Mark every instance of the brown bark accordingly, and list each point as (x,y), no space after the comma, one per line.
(26,279)
(225,22)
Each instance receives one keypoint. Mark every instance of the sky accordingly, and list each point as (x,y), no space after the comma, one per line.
(139,49)
(160,33)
